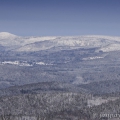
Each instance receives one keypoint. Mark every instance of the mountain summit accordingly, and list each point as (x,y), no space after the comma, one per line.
(6,35)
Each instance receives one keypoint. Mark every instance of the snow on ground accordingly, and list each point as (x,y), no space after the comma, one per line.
(79,80)
(40,63)
(6,35)
(37,39)
(24,63)
(105,43)
(112,47)
(92,58)
(10,62)
(99,100)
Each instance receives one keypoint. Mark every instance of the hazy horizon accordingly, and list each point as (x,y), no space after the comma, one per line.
(59,35)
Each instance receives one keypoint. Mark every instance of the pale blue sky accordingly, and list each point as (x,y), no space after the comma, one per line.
(60,17)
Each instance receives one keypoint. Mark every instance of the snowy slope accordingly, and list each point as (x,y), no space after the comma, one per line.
(7,39)
(111,47)
(17,43)
(71,42)
(6,35)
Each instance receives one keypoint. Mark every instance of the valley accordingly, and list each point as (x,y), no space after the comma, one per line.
(56,78)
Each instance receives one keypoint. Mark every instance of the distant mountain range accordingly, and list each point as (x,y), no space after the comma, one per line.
(17,43)
(59,77)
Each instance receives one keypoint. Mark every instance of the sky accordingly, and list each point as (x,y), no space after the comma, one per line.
(60,17)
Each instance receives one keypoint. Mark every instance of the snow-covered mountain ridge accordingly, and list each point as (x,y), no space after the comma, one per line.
(17,43)
(6,35)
